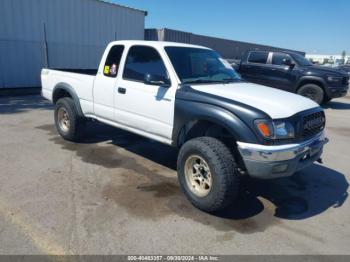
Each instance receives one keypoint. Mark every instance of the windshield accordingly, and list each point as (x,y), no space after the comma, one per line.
(301,60)
(198,65)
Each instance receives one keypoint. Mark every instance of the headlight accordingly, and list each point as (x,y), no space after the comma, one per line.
(275,129)
(334,78)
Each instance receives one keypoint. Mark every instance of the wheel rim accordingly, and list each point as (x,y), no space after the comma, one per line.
(198,176)
(310,93)
(63,119)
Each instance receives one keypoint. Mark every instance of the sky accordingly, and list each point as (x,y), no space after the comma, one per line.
(313,26)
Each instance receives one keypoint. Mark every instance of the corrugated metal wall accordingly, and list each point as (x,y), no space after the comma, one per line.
(76,33)
(227,48)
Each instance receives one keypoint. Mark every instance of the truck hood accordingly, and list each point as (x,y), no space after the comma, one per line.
(325,70)
(276,103)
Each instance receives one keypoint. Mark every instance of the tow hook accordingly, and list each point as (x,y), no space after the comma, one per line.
(320,161)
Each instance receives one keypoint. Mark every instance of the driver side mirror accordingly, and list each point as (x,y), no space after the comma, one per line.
(157,80)
(288,62)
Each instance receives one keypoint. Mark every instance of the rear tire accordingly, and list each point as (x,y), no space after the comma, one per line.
(67,120)
(312,91)
(219,177)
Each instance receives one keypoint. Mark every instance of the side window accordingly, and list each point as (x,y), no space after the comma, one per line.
(142,60)
(113,61)
(280,59)
(258,57)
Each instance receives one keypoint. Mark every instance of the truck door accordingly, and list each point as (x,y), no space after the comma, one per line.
(145,105)
(105,83)
(254,69)
(282,73)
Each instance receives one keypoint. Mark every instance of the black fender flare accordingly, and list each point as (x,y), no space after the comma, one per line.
(195,111)
(69,89)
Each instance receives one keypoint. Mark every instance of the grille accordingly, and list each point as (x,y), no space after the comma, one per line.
(313,124)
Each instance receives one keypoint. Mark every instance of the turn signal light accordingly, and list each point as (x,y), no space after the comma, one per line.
(264,129)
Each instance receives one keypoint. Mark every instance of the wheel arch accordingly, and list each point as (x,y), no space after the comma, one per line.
(311,80)
(200,127)
(208,118)
(65,90)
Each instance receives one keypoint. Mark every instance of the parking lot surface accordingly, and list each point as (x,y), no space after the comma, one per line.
(117,193)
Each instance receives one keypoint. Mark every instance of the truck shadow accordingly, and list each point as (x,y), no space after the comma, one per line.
(337,105)
(21,104)
(301,196)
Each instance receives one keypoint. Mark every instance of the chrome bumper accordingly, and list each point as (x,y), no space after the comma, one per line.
(280,160)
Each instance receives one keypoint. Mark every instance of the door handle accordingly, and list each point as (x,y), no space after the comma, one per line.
(121,90)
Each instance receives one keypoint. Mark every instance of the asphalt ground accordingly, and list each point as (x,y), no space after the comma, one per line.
(117,193)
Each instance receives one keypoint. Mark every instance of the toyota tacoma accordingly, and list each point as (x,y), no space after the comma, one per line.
(188,97)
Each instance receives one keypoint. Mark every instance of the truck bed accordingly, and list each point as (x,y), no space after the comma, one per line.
(91,72)
(81,81)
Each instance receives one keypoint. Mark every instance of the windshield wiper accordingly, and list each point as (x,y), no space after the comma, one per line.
(202,81)
(207,81)
(230,80)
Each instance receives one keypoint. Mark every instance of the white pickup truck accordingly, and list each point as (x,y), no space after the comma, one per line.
(188,97)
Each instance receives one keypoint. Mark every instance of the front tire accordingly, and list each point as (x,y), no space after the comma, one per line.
(207,173)
(67,120)
(312,91)
(326,99)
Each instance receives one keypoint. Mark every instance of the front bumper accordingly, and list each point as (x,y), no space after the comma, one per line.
(335,92)
(281,160)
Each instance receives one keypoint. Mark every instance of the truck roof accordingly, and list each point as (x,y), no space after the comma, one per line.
(155,43)
(275,51)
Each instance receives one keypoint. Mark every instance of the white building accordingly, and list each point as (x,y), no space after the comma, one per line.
(327,59)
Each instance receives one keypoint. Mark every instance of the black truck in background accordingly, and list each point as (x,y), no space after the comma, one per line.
(294,73)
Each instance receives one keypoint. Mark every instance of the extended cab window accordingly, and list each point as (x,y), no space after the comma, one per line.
(113,61)
(143,60)
(258,57)
(280,59)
